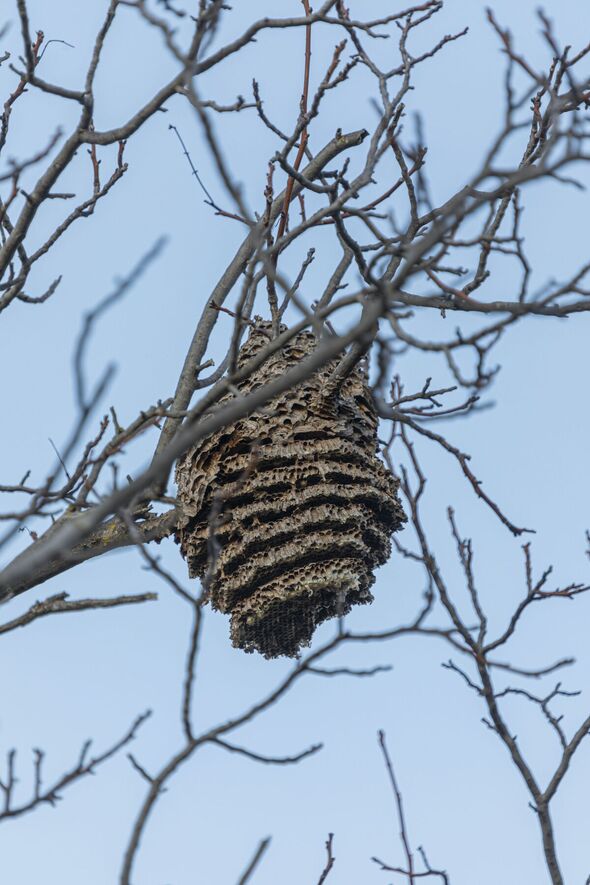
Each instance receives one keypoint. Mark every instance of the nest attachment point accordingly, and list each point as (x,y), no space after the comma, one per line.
(287,513)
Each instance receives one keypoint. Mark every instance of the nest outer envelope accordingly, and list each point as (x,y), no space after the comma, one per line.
(289,510)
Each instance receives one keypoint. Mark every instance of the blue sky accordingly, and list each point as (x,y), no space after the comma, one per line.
(70,677)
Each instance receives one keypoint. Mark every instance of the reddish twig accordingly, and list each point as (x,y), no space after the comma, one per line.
(304,134)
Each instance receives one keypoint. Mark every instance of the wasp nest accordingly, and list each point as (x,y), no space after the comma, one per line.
(287,512)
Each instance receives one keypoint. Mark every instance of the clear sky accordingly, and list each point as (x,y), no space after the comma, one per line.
(71,677)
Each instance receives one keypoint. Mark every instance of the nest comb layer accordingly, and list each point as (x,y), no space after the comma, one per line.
(288,512)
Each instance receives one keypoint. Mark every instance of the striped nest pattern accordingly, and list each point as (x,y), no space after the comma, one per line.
(287,512)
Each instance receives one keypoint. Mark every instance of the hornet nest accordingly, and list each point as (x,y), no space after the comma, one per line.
(287,512)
